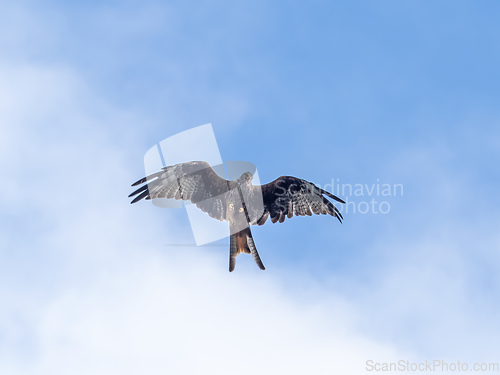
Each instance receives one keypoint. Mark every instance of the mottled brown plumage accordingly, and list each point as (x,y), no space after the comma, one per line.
(238,202)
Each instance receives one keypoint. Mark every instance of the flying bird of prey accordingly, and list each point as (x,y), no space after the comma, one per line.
(238,202)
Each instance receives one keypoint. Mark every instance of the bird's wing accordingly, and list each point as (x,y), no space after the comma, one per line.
(288,195)
(194,181)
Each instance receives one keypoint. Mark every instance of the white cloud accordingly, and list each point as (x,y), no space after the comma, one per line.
(159,315)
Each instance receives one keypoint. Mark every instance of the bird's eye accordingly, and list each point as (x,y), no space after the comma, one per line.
(241,209)
(231,206)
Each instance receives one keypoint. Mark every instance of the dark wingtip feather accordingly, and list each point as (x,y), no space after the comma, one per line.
(142,188)
(147,178)
(139,197)
(332,196)
(141,181)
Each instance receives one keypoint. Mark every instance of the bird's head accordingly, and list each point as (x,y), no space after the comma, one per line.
(245,178)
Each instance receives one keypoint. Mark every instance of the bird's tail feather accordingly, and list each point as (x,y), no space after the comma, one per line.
(242,242)
(233,252)
(255,253)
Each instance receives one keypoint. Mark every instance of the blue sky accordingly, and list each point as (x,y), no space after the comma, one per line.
(396,92)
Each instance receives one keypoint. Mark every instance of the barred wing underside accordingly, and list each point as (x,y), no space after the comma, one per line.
(195,181)
(287,196)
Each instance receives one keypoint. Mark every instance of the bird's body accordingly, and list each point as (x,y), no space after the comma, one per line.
(238,202)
